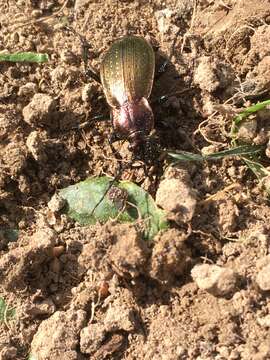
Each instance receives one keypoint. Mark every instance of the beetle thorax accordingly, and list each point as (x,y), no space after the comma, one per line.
(134,120)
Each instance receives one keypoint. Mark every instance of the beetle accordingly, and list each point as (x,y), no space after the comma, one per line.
(127,75)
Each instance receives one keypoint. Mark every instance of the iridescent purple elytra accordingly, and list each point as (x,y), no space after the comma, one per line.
(127,74)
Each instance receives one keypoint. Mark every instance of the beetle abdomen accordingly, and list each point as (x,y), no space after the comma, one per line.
(127,71)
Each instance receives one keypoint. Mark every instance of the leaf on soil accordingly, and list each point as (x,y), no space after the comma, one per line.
(25,57)
(6,313)
(135,204)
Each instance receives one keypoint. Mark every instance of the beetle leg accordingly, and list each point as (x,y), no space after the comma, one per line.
(113,138)
(163,98)
(85,46)
(162,69)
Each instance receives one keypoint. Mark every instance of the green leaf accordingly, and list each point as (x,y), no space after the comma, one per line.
(235,151)
(83,197)
(5,312)
(25,57)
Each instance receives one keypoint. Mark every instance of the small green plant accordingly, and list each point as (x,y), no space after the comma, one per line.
(6,312)
(250,154)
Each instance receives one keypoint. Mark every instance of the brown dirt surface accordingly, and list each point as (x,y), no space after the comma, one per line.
(199,290)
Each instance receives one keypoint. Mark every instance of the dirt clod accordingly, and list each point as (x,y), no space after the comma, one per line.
(263,278)
(170,256)
(91,338)
(8,353)
(129,253)
(35,145)
(15,265)
(176,195)
(216,280)
(63,344)
(39,110)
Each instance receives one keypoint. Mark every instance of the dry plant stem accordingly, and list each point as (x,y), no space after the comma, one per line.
(236,31)
(43,19)
(206,122)
(225,5)
(220,194)
(189,32)
(206,138)
(93,307)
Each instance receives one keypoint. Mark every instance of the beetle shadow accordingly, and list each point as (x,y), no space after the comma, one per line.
(172,101)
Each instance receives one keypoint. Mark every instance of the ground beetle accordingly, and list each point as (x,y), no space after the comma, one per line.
(127,74)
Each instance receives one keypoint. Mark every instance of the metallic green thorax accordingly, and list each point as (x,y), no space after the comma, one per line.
(127,71)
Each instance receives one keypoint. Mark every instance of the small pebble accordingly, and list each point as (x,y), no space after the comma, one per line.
(56,203)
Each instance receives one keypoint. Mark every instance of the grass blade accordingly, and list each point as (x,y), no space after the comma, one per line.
(235,151)
(258,169)
(25,57)
(250,110)
(186,156)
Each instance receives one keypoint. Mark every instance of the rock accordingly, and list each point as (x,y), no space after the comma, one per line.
(178,198)
(39,110)
(263,278)
(214,279)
